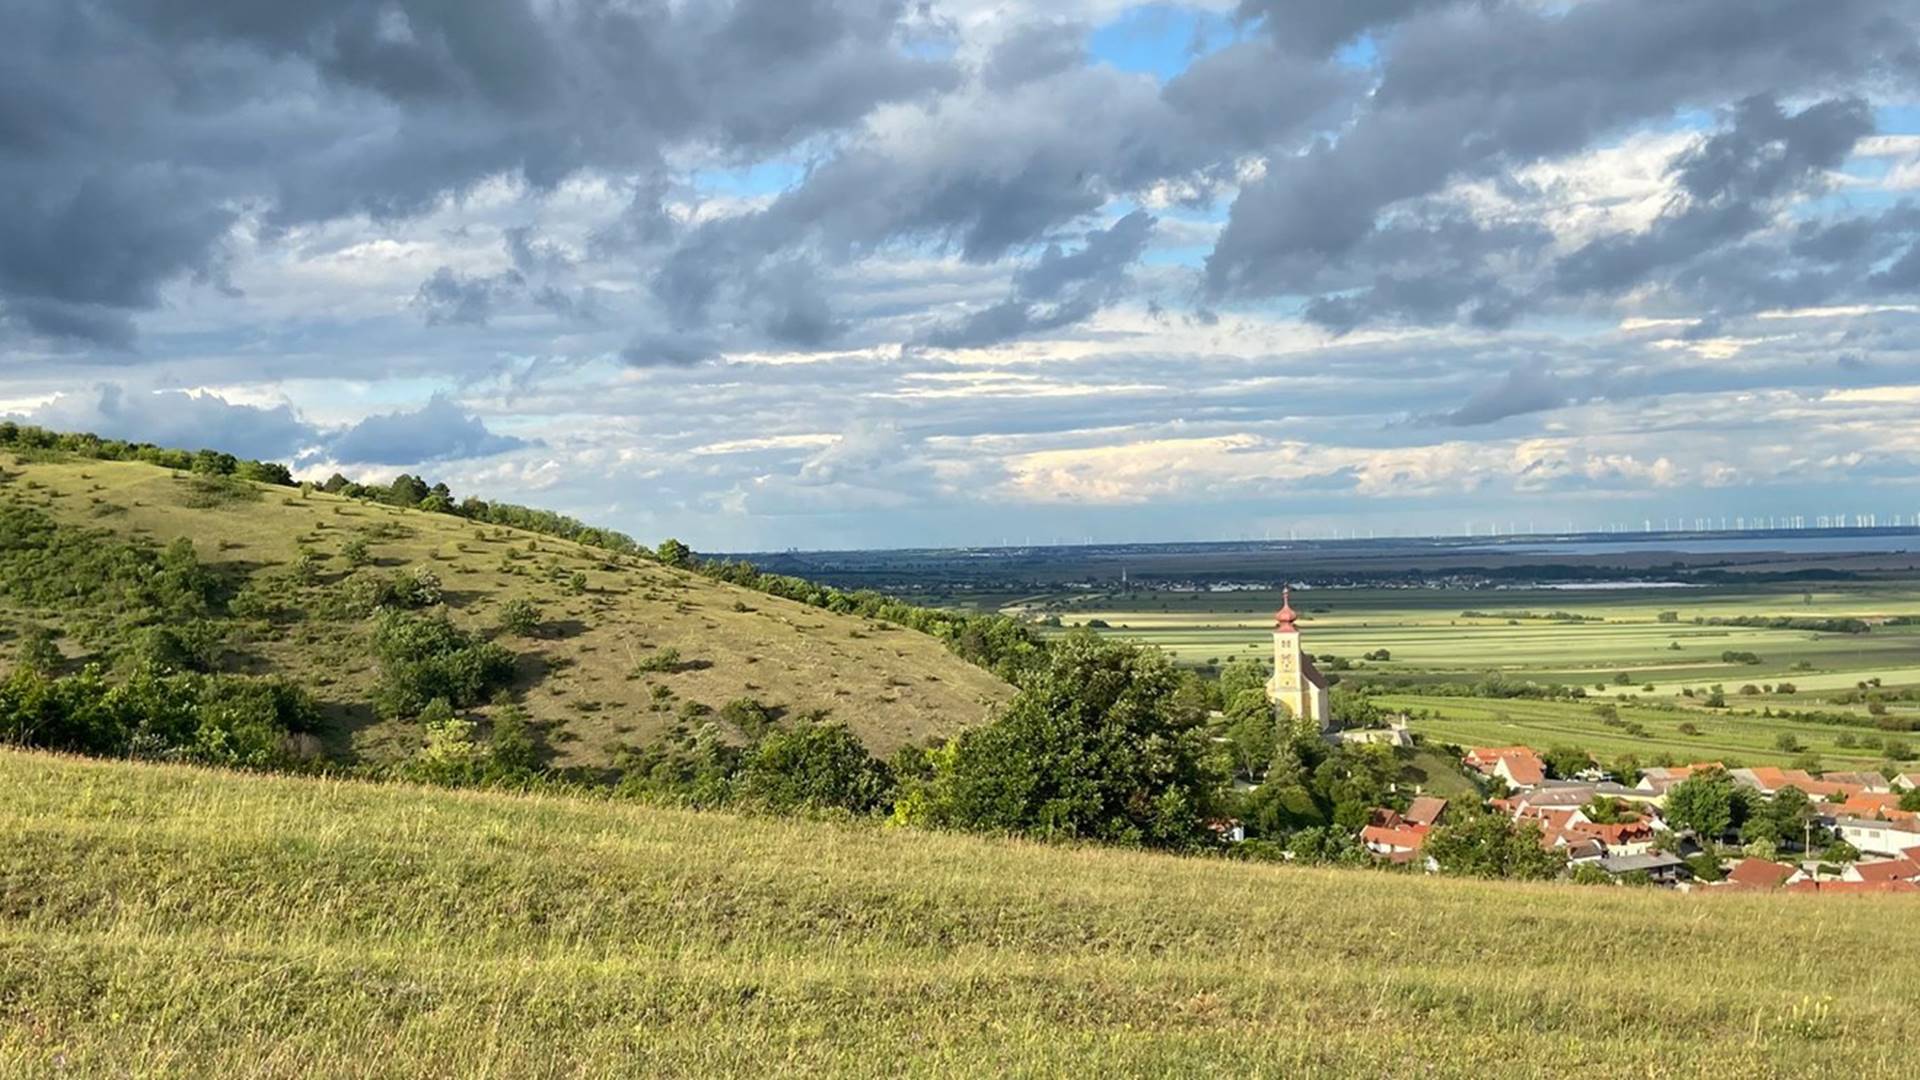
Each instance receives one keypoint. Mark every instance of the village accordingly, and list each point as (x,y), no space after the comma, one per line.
(1667,826)
(1853,835)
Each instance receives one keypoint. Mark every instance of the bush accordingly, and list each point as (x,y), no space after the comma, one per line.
(815,766)
(216,719)
(748,717)
(427,657)
(519,617)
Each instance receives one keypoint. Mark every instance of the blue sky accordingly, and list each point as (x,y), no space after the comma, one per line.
(987,270)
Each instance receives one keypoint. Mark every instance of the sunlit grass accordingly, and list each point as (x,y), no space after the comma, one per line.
(164,919)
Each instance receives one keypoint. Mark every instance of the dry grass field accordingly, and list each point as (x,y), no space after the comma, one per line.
(166,919)
(578,671)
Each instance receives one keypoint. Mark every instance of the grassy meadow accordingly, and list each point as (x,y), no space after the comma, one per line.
(165,919)
(601,616)
(1431,639)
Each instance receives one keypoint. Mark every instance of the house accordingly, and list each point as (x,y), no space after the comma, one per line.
(1519,766)
(1620,838)
(1878,837)
(1871,782)
(1905,781)
(1904,868)
(1660,867)
(1769,780)
(1758,875)
(1425,810)
(1868,804)
(1657,780)
(1394,840)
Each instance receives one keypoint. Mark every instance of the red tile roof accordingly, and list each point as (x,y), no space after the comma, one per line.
(1888,870)
(1758,874)
(1409,837)
(1425,810)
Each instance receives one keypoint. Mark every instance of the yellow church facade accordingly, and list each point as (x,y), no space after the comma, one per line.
(1296,686)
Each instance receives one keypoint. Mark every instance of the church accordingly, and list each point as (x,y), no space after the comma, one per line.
(1296,686)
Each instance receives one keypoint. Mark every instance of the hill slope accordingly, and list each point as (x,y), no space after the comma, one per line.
(576,672)
(211,923)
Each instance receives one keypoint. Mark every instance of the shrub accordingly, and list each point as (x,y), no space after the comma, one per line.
(748,717)
(357,552)
(427,657)
(519,616)
(815,766)
(665,661)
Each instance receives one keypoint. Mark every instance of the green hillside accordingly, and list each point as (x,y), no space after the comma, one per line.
(200,922)
(620,648)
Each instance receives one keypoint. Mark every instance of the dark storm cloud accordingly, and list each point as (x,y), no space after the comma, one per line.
(133,131)
(440,430)
(1469,90)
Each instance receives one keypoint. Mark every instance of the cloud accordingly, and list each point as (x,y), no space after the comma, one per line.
(1470,90)
(1520,391)
(1060,289)
(178,418)
(440,430)
(137,135)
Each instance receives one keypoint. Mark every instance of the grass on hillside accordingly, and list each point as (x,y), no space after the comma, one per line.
(581,671)
(195,922)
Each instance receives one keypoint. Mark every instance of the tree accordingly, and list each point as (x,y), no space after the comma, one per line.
(1786,743)
(1088,748)
(1492,846)
(519,617)
(38,652)
(357,552)
(1240,676)
(1568,761)
(674,553)
(407,490)
(1251,733)
(1702,802)
(815,766)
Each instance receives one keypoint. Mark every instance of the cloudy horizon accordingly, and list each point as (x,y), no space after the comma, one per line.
(865,273)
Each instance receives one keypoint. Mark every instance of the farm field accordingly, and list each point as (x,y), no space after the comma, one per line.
(1612,642)
(165,919)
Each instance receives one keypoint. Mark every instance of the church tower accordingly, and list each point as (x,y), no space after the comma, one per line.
(1296,684)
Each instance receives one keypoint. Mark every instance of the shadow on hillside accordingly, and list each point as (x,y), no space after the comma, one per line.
(562,629)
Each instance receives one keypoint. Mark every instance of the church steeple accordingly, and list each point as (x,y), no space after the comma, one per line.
(1296,686)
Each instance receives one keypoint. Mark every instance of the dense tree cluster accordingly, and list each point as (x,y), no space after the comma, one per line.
(218,719)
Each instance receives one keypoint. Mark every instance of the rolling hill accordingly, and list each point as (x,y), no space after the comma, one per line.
(620,648)
(162,918)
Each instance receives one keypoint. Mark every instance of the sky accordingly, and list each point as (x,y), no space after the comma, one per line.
(763,274)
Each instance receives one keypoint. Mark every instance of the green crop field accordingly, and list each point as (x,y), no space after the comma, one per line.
(170,920)
(1618,632)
